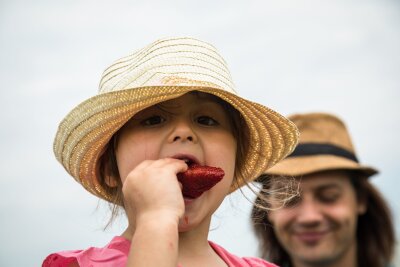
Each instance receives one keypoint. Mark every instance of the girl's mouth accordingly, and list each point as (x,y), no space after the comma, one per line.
(198,179)
(188,159)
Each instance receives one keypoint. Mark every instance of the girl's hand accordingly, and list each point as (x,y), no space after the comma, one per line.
(152,190)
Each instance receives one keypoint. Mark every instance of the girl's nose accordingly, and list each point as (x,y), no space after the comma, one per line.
(183,132)
(189,138)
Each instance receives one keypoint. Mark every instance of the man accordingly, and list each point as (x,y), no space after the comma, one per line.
(338,218)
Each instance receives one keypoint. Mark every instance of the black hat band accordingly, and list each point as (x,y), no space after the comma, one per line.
(312,149)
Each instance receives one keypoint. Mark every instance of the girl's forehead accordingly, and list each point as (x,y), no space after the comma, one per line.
(192,99)
(194,96)
(186,102)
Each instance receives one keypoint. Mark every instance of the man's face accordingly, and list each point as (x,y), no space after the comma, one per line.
(319,226)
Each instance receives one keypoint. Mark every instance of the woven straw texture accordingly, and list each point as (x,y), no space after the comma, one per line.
(320,128)
(163,70)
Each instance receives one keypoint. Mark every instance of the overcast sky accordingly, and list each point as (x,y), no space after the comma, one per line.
(293,56)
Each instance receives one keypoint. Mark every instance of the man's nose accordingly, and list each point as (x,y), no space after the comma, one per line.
(309,212)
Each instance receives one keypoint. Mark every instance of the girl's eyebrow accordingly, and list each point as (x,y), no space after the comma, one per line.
(201,102)
(167,109)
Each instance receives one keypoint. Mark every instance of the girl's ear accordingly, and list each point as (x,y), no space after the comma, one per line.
(109,178)
(111,182)
(108,166)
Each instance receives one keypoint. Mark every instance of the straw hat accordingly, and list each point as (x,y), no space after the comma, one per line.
(163,70)
(325,144)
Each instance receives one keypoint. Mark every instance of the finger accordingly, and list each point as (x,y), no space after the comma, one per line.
(144,164)
(177,165)
(180,185)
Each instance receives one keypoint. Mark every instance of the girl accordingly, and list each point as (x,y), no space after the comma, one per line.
(164,112)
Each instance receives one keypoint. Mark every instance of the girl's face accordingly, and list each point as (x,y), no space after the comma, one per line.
(320,225)
(192,126)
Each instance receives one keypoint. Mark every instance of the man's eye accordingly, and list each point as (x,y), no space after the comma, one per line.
(153,120)
(329,199)
(207,121)
(293,201)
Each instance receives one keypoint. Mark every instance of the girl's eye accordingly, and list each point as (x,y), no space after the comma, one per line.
(153,120)
(207,121)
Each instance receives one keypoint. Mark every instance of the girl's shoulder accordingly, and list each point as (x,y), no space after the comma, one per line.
(116,252)
(233,260)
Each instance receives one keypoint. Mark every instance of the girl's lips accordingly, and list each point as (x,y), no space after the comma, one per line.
(189,159)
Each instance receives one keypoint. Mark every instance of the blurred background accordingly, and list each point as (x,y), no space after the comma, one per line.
(294,56)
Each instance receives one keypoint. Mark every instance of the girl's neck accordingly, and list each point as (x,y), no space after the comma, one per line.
(189,241)
(195,240)
(127,234)
(195,250)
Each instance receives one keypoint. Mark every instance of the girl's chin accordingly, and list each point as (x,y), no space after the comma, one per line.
(184,225)
(188,201)
(188,222)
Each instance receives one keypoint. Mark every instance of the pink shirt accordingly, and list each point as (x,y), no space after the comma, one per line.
(116,252)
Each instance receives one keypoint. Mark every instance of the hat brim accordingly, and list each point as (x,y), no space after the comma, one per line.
(86,130)
(304,165)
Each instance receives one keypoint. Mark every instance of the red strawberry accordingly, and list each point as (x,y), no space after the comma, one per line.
(198,179)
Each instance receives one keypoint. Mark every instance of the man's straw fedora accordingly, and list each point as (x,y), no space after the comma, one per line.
(325,144)
(163,70)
